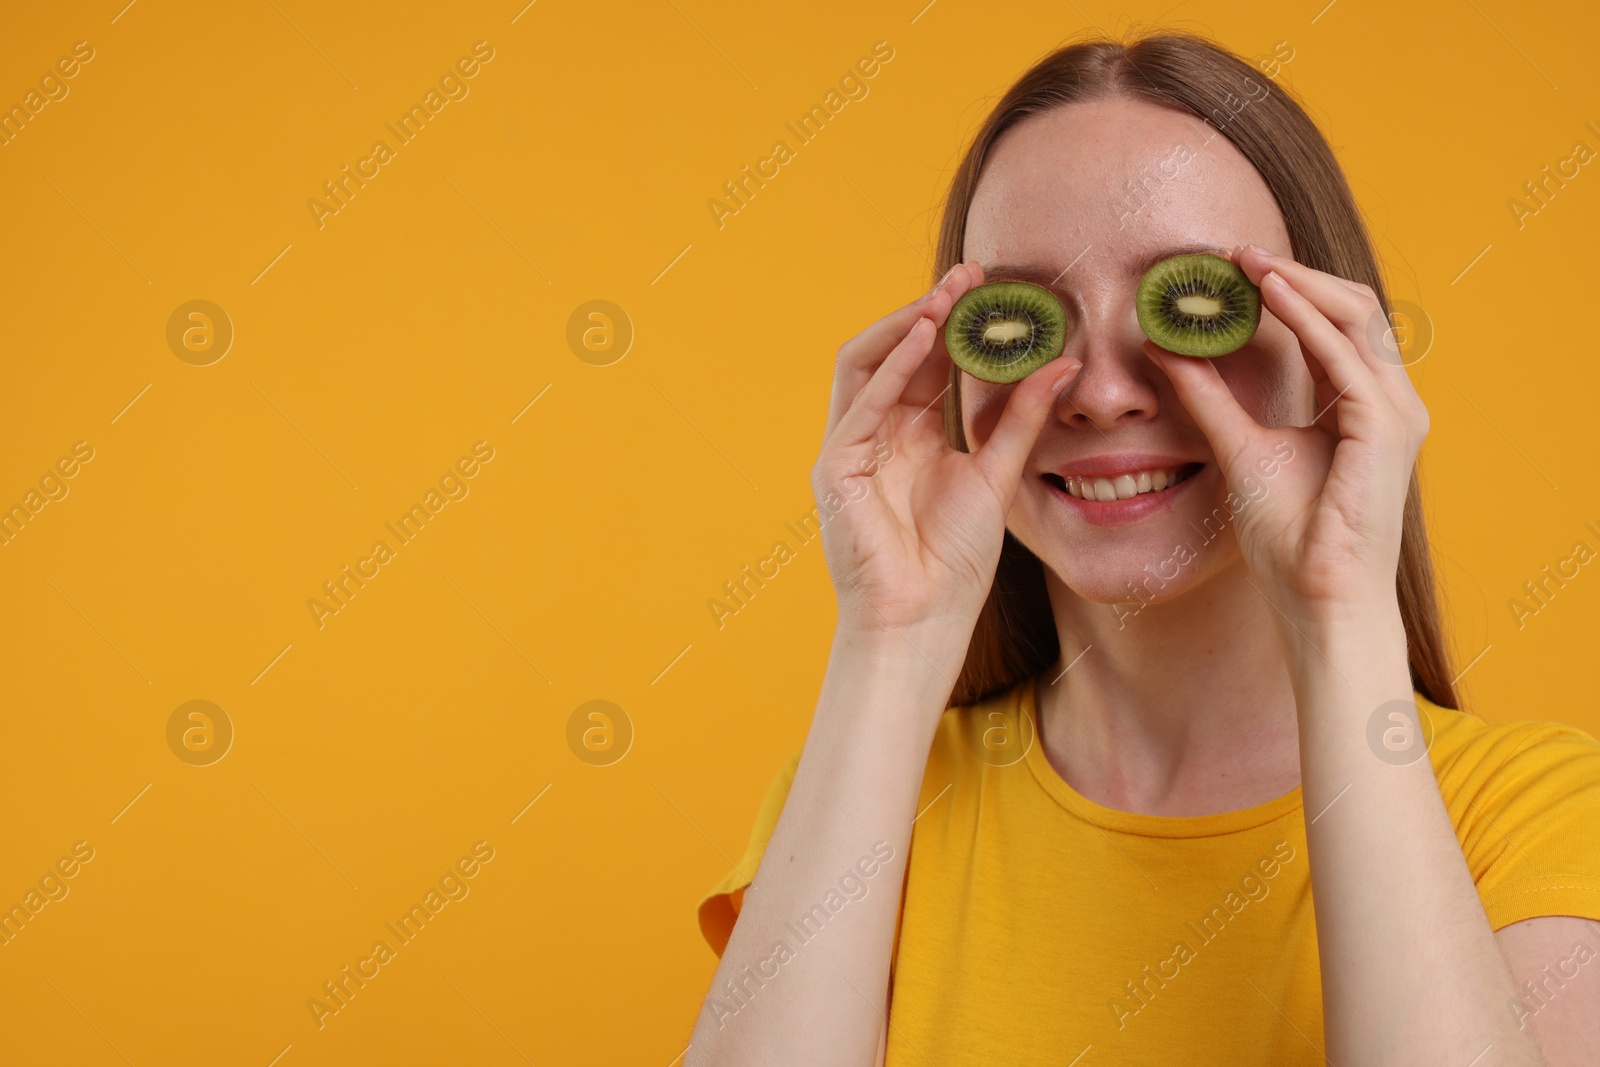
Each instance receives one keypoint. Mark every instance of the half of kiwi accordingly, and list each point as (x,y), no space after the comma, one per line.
(1003,331)
(1198,305)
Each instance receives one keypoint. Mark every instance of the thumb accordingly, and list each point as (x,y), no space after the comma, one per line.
(1002,457)
(1227,425)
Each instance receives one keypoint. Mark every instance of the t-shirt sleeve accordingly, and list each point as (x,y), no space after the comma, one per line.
(1525,798)
(719,908)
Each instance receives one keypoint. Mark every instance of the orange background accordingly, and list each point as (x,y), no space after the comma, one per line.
(371,353)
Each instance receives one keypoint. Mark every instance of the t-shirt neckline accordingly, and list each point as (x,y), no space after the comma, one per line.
(1129,822)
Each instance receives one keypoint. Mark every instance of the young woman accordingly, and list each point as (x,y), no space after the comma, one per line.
(1172,769)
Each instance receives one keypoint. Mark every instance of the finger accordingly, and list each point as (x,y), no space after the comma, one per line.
(1325,396)
(1321,341)
(1352,307)
(1256,263)
(860,356)
(1228,427)
(1002,457)
(1349,308)
(863,354)
(865,415)
(932,379)
(1346,304)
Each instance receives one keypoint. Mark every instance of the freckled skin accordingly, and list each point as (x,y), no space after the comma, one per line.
(1056,183)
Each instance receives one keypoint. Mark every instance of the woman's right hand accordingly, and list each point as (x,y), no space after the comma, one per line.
(913,527)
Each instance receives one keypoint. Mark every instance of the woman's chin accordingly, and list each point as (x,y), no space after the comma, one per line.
(1127,566)
(1126,583)
(1127,590)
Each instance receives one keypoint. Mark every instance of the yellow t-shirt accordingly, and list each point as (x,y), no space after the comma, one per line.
(1036,924)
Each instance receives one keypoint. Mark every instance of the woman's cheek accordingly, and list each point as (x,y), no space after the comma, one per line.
(1275,383)
(1272,385)
(984,403)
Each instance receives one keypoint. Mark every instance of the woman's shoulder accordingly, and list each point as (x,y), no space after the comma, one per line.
(993,731)
(1524,798)
(1465,747)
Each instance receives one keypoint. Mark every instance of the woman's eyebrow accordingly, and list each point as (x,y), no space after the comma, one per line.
(1023,272)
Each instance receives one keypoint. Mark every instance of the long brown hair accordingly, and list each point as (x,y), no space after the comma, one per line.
(1015,637)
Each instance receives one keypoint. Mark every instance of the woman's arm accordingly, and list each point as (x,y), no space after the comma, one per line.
(1562,1011)
(796,983)
(913,536)
(1410,969)
(1411,972)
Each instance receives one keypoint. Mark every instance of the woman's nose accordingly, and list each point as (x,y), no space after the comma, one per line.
(1118,383)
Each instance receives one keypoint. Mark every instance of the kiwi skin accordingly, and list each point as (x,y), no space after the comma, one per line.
(1151,300)
(1050,332)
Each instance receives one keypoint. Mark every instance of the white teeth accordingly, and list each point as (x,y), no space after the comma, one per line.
(1121,486)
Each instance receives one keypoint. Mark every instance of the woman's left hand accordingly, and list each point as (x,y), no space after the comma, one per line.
(1319,525)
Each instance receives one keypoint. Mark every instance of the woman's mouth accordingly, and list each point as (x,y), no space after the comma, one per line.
(1123,486)
(1118,497)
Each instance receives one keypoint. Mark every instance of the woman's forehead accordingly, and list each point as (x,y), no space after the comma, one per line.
(1115,175)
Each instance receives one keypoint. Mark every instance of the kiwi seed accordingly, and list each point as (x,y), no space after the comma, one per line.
(1198,305)
(1005,330)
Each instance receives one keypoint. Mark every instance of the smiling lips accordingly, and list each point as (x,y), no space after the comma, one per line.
(1120,478)
(1123,486)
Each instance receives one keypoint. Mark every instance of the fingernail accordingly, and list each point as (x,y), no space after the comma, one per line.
(1065,376)
(940,283)
(1263,251)
(1273,277)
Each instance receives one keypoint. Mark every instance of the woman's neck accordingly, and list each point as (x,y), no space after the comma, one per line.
(1180,708)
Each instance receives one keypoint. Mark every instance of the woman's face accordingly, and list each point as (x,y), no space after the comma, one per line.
(1083,199)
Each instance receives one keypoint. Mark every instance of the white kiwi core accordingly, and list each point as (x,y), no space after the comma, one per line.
(1007,330)
(1199,305)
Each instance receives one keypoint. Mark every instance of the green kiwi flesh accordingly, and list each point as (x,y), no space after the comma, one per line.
(1004,331)
(1198,305)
